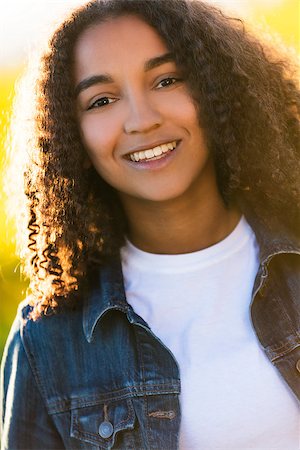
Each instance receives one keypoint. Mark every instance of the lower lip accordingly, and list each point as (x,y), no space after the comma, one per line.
(152,164)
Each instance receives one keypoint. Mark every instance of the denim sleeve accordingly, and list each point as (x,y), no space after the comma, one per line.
(24,421)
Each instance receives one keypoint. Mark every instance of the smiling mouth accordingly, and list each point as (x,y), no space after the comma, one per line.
(152,153)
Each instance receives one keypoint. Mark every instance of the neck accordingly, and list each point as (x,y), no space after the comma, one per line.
(179,226)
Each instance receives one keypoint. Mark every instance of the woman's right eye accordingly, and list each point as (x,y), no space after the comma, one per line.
(100,102)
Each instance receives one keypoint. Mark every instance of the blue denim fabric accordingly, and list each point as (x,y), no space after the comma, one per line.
(97,378)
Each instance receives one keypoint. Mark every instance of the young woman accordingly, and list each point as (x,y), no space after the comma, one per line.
(163,239)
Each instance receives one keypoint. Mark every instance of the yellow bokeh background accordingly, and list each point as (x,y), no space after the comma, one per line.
(279,17)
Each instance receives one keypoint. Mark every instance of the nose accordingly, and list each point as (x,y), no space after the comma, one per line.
(142,116)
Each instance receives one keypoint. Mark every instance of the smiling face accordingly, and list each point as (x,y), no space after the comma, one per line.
(137,119)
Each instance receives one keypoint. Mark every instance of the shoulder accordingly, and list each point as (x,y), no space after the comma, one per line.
(14,346)
(41,341)
(48,331)
(43,348)
(23,405)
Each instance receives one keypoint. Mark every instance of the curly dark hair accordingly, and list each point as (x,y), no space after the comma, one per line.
(249,109)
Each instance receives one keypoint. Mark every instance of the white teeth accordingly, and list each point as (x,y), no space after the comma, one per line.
(157,151)
(152,152)
(134,157)
(149,153)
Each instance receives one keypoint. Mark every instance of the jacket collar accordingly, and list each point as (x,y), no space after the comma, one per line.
(106,293)
(272,241)
(107,287)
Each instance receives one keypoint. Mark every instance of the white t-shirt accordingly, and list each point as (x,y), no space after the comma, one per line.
(198,305)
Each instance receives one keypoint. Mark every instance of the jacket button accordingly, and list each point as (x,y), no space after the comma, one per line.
(106,429)
(298,365)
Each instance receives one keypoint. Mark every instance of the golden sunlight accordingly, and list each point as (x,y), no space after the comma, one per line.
(24,26)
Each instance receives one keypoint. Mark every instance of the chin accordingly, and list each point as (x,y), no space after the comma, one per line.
(164,195)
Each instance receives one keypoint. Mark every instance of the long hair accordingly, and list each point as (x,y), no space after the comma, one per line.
(248,105)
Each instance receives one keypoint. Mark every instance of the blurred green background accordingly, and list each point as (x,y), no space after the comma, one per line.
(279,16)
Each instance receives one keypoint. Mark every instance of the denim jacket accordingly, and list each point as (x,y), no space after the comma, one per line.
(98,378)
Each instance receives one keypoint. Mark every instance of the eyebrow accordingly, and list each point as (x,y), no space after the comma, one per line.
(158,61)
(103,78)
(91,81)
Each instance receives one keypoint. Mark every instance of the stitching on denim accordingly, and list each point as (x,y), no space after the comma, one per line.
(281,305)
(81,434)
(285,350)
(130,415)
(59,406)
(97,322)
(137,332)
(39,381)
(145,416)
(286,345)
(89,434)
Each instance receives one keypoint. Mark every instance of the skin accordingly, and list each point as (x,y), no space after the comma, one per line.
(172,204)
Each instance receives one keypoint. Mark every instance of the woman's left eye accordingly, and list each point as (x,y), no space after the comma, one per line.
(167,82)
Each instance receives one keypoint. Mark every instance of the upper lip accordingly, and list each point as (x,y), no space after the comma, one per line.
(148,146)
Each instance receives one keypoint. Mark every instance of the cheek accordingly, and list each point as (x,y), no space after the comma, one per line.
(189,115)
(99,140)
(183,110)
(98,137)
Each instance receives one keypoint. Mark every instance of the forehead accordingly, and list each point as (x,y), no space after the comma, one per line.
(114,43)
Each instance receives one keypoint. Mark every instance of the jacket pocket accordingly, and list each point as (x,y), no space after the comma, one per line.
(100,424)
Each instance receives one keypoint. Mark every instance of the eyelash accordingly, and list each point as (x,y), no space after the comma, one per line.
(102,99)
(107,100)
(173,80)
